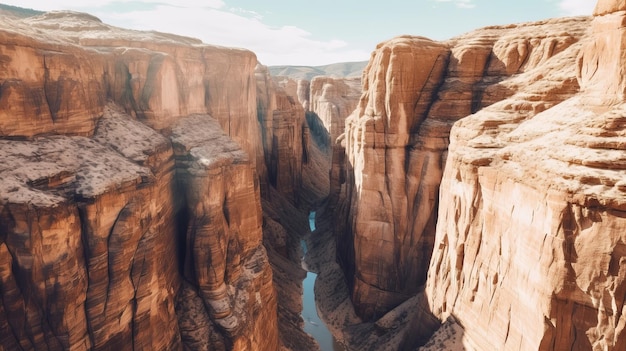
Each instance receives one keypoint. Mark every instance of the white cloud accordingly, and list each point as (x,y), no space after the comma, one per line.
(576,7)
(464,4)
(46,5)
(243,12)
(214,23)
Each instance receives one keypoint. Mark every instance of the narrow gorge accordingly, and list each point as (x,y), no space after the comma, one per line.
(468,194)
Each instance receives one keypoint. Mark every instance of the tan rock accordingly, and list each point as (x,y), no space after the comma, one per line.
(529,245)
(284,134)
(224,256)
(92,214)
(156,77)
(81,225)
(604,7)
(395,101)
(332,100)
(396,141)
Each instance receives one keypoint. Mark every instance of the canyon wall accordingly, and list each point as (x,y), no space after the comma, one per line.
(330,102)
(487,171)
(155,189)
(414,89)
(284,135)
(529,251)
(127,216)
(286,145)
(327,102)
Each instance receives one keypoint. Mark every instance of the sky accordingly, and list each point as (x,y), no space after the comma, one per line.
(310,33)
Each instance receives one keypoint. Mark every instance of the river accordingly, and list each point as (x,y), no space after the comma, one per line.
(313,325)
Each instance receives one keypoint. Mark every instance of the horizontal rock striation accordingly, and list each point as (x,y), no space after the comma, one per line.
(396,141)
(80,225)
(284,136)
(129,204)
(60,69)
(529,244)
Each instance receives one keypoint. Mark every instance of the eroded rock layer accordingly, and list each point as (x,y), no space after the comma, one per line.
(396,141)
(530,238)
(80,225)
(284,136)
(130,211)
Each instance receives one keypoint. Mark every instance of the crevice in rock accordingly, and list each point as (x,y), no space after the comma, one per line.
(52,97)
(182,218)
(84,237)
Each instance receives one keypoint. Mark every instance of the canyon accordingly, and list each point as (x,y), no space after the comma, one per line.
(470,194)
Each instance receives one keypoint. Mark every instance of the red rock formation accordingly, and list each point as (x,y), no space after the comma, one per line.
(80,226)
(284,135)
(94,206)
(332,100)
(529,252)
(396,141)
(62,67)
(379,255)
(224,257)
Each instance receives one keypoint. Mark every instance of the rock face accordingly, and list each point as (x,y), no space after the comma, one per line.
(224,256)
(396,141)
(127,216)
(284,135)
(330,102)
(80,224)
(527,236)
(333,100)
(530,239)
(379,248)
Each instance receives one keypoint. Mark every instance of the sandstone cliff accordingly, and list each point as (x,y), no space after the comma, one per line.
(286,143)
(284,135)
(127,217)
(526,222)
(331,101)
(530,238)
(396,141)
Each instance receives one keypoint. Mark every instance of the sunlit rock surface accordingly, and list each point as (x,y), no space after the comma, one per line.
(130,211)
(530,238)
(396,141)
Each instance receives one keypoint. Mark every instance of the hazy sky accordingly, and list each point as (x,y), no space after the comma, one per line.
(313,32)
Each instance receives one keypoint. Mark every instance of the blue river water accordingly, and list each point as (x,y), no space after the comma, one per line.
(313,325)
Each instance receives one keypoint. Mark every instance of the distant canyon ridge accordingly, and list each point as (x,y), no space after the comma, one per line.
(155,190)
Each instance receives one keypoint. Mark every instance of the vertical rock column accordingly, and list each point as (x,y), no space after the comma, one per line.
(225,261)
(383,251)
(529,250)
(283,134)
(79,231)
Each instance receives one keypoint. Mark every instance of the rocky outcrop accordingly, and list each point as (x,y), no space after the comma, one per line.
(378,250)
(80,225)
(59,69)
(332,100)
(284,135)
(224,257)
(327,101)
(529,252)
(127,217)
(396,141)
